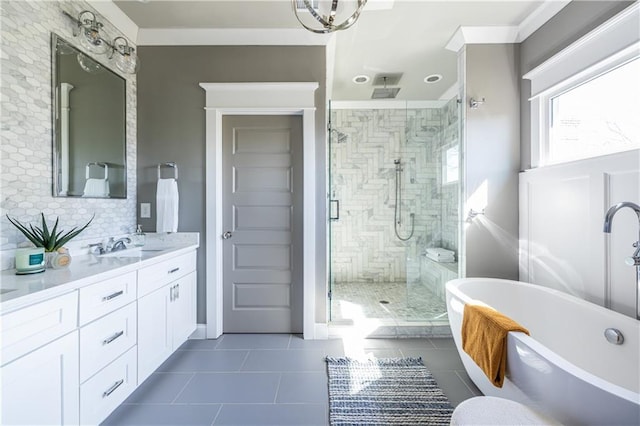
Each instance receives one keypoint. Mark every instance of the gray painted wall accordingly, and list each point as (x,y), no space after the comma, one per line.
(492,158)
(571,23)
(171,126)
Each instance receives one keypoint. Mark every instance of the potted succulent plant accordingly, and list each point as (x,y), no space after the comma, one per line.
(53,240)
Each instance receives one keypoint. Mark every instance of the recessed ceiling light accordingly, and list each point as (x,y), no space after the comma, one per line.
(361,79)
(433,78)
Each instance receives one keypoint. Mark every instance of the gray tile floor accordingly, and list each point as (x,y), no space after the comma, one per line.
(277,379)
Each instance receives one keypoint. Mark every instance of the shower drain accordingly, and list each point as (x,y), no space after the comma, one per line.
(384,302)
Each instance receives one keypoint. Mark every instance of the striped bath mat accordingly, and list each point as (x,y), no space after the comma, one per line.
(385,392)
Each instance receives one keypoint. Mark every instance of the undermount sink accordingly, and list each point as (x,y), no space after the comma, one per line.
(132,252)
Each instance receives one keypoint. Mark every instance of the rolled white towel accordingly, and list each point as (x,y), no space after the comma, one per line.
(438,252)
(441,259)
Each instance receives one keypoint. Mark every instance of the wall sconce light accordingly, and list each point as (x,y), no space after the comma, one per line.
(126,59)
(119,51)
(475,103)
(88,31)
(472,214)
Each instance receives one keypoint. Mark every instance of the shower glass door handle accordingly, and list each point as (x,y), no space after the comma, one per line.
(334,209)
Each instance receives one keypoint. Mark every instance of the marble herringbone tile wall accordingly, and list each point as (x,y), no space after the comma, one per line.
(26,148)
(364,247)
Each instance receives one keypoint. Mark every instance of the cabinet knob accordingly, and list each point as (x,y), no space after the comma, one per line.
(227,235)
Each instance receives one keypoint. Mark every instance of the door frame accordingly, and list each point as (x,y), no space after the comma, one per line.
(257,99)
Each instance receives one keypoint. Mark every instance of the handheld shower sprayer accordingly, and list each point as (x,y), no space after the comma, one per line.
(397,220)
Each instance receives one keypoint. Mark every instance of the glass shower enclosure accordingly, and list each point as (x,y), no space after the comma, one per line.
(394,213)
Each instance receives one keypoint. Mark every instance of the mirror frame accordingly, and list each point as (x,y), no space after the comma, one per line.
(56,187)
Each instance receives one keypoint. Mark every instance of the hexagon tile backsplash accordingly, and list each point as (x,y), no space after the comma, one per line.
(26,129)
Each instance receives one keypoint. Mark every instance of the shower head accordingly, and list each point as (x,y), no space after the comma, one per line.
(385,93)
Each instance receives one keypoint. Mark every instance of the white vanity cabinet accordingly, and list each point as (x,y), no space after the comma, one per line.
(79,344)
(166,310)
(39,372)
(108,336)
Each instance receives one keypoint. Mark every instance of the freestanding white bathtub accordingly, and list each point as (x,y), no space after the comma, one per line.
(566,368)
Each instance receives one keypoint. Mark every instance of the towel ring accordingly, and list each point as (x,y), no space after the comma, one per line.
(171,164)
(104,165)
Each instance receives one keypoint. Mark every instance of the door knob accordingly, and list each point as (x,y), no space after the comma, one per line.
(227,235)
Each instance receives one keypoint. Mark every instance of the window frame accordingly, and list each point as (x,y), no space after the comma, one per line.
(609,46)
(446,165)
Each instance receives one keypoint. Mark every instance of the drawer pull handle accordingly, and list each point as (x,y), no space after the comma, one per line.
(112,338)
(174,270)
(113,296)
(112,389)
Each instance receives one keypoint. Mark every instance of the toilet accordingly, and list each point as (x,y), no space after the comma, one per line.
(490,410)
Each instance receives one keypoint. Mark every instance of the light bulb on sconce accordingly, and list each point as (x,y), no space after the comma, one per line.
(89,33)
(125,57)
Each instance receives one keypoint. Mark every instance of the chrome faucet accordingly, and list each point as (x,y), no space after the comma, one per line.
(97,248)
(634,260)
(119,244)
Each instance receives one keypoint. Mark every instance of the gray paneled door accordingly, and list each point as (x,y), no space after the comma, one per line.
(262,223)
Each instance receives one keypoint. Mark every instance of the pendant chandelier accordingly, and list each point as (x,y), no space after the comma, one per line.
(325,13)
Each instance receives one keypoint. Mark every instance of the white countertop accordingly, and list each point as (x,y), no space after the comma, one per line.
(18,291)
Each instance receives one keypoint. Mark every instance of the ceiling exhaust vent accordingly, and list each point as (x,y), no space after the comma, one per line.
(391,79)
(385,93)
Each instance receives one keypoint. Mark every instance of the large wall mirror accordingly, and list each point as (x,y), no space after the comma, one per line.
(89,126)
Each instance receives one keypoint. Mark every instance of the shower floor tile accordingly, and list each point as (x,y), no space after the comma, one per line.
(391,300)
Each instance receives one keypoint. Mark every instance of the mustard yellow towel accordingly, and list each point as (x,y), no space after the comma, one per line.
(484,338)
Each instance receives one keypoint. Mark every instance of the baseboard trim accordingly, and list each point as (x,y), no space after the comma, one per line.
(200,332)
(321,331)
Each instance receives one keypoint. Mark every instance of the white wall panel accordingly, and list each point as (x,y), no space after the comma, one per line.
(562,244)
(622,186)
(559,213)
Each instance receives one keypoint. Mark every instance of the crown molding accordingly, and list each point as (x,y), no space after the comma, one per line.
(115,15)
(506,34)
(539,17)
(482,35)
(230,37)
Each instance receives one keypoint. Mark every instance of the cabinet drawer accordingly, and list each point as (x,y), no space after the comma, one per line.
(99,299)
(101,394)
(155,276)
(29,328)
(104,340)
